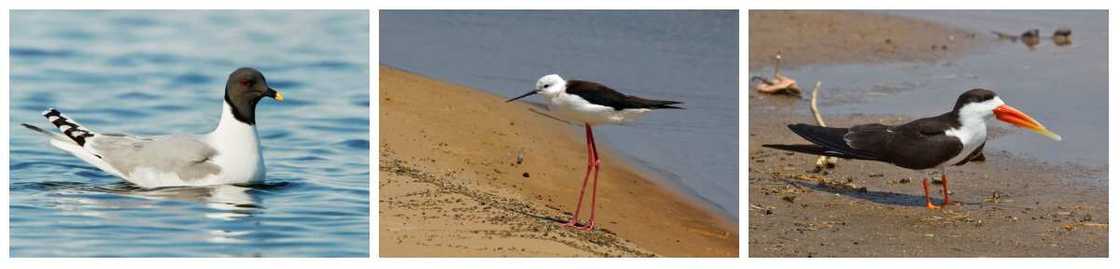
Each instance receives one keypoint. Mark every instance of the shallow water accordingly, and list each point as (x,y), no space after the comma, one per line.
(687,56)
(1064,87)
(160,72)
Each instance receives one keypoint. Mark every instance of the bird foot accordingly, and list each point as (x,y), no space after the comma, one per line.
(931,206)
(580,227)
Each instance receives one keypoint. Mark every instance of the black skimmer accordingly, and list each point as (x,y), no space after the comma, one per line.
(953,138)
(591,103)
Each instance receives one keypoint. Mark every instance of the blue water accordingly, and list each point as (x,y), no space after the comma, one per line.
(160,72)
(689,56)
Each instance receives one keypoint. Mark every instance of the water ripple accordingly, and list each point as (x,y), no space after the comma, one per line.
(315,199)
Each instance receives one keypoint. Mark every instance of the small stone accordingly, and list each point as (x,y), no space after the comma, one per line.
(789,198)
(525,175)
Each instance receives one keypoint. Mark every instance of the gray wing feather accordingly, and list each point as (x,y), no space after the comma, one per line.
(184,155)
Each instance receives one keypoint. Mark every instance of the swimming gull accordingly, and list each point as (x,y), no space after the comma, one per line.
(230,154)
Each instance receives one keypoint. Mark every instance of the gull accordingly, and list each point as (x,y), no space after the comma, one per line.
(230,154)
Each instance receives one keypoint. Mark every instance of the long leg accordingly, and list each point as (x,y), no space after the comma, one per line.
(944,188)
(595,181)
(574,222)
(925,188)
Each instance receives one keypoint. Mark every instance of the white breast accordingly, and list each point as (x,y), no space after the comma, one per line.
(972,134)
(571,107)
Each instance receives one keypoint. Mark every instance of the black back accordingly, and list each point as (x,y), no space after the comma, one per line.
(602,95)
(920,144)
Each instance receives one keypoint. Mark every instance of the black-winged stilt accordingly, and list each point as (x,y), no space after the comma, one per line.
(591,103)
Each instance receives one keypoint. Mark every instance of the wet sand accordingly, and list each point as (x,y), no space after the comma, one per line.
(1006,206)
(824,37)
(450,184)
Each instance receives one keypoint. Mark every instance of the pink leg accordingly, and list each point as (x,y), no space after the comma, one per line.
(574,222)
(594,182)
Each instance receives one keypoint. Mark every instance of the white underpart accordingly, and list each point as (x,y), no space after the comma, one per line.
(973,131)
(239,153)
(573,108)
(238,156)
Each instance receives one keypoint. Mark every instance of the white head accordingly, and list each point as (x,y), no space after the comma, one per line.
(980,104)
(549,85)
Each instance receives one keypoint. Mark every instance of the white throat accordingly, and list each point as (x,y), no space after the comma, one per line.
(973,131)
(231,128)
(238,147)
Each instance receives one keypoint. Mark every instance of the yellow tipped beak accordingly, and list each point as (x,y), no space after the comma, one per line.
(1015,117)
(279,96)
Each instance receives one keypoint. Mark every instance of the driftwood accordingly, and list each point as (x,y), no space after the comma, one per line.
(823,162)
(780,84)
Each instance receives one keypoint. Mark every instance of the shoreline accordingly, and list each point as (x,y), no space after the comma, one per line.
(1009,206)
(451,186)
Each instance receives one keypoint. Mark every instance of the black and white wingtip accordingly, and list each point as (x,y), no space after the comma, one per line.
(68,127)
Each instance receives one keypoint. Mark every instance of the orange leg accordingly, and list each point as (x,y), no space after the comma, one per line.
(945,189)
(925,188)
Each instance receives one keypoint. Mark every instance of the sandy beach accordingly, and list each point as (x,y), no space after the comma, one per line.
(451,186)
(1008,205)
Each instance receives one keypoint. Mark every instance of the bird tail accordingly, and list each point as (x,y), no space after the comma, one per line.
(660,104)
(815,150)
(52,135)
(826,141)
(69,128)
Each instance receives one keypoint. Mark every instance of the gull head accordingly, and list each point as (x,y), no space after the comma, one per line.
(245,87)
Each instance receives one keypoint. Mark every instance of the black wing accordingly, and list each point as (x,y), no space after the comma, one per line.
(923,144)
(830,142)
(602,95)
(976,155)
(920,144)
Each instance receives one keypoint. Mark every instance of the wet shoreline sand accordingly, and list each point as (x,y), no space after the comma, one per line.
(451,186)
(1009,205)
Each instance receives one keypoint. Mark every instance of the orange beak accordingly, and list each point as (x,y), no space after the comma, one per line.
(1015,117)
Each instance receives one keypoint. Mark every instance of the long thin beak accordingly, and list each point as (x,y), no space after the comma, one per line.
(274,94)
(522,96)
(1015,117)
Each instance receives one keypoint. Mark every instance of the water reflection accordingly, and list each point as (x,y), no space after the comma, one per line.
(228,205)
(230,202)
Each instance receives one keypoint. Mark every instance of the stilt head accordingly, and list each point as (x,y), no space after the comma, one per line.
(549,86)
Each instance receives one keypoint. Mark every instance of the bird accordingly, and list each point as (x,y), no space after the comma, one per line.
(592,104)
(950,139)
(230,154)
(1030,38)
(1061,36)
